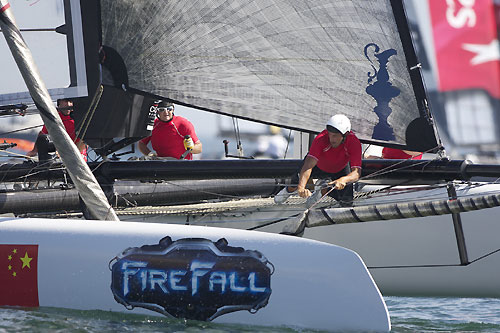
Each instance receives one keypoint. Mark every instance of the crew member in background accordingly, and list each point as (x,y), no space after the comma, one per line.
(273,145)
(335,157)
(64,108)
(169,135)
(374,152)
(395,154)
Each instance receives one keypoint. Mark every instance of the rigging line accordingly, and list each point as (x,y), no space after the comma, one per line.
(415,266)
(201,191)
(20,130)
(25,177)
(91,111)
(273,222)
(128,202)
(5,173)
(35,30)
(154,190)
(8,156)
(364,151)
(237,136)
(361,195)
(388,169)
(484,256)
(438,265)
(98,165)
(287,143)
(17,154)
(410,189)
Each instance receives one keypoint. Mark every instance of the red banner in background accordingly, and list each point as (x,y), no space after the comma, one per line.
(466,45)
(19,275)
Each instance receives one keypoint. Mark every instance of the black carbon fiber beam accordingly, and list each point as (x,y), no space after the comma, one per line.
(457,225)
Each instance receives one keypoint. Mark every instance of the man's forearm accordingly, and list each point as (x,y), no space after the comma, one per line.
(352,177)
(143,148)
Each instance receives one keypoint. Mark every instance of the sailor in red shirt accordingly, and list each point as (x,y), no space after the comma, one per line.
(398,154)
(335,154)
(168,137)
(64,107)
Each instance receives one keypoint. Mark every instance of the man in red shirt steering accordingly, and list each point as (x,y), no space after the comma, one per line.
(335,154)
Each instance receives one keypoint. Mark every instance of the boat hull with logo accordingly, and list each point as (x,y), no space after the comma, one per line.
(444,255)
(201,273)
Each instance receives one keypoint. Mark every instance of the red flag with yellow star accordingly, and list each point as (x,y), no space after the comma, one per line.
(18,275)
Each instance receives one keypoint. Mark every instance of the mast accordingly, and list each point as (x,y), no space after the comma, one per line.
(80,173)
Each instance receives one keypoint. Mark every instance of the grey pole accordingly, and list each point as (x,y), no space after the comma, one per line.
(80,173)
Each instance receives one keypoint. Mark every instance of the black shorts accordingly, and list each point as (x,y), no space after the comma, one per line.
(344,196)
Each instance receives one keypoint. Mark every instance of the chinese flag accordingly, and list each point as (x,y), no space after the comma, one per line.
(466,45)
(18,275)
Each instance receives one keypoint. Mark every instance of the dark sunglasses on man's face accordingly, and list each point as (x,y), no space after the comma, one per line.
(65,108)
(168,108)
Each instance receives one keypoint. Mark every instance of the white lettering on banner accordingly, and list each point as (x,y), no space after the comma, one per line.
(465,15)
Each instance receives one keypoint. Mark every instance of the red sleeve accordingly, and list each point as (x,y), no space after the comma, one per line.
(188,129)
(44,130)
(145,140)
(315,150)
(354,150)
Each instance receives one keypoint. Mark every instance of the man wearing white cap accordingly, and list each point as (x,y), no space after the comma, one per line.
(334,154)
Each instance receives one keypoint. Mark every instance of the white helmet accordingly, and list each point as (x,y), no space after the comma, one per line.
(340,123)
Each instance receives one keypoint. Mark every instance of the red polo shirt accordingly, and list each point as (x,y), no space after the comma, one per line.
(333,160)
(69,125)
(167,138)
(398,154)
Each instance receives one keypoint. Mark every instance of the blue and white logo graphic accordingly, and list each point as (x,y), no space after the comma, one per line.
(191,278)
(382,91)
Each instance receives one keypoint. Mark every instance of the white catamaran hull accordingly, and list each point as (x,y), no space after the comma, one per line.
(420,257)
(100,264)
(407,257)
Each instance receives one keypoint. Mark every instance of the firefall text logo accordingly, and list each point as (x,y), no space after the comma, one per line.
(192,278)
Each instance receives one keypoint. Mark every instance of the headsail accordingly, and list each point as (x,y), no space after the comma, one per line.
(291,63)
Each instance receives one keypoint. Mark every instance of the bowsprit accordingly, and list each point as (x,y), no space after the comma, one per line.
(191,278)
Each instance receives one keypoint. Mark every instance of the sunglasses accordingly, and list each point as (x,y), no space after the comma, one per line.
(168,108)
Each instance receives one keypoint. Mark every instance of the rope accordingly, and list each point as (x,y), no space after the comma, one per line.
(20,130)
(16,154)
(91,111)
(438,265)
(287,143)
(237,136)
(391,168)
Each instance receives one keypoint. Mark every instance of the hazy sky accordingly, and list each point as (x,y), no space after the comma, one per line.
(52,65)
